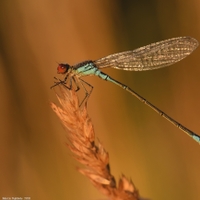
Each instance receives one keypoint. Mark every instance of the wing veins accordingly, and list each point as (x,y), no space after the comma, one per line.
(152,56)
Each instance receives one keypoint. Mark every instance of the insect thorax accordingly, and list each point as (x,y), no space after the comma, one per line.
(85,68)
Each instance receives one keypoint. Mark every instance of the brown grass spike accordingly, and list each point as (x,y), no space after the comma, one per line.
(94,157)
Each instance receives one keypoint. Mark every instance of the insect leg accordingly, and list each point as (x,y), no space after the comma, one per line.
(87,93)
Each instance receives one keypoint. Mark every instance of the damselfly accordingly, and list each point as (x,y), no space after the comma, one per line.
(152,56)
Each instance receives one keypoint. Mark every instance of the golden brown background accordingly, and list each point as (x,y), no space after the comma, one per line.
(34,35)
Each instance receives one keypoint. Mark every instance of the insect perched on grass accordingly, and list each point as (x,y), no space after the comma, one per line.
(152,56)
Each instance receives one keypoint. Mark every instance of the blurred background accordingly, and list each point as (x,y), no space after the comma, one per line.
(162,161)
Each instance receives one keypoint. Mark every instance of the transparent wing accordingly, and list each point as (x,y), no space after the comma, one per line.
(152,56)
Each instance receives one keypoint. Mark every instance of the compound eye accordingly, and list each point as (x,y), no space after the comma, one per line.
(62,68)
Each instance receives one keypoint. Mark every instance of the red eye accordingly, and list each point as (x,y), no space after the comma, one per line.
(62,68)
